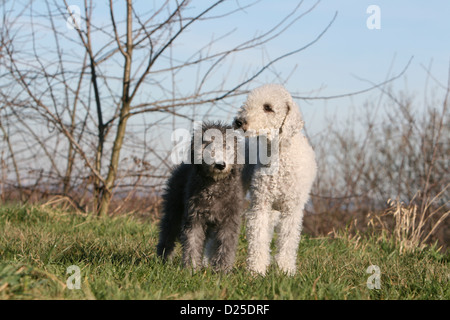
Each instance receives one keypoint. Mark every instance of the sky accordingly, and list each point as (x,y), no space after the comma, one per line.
(349,51)
(349,57)
(336,64)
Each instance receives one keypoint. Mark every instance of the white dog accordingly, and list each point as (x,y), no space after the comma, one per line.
(278,196)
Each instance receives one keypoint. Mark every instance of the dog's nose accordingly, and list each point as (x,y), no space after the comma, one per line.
(240,124)
(220,166)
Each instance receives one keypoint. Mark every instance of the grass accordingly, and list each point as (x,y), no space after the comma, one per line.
(117,260)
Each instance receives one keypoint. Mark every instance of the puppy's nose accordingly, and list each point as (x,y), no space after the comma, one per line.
(220,166)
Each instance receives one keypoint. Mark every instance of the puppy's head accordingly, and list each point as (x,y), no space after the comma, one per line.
(213,149)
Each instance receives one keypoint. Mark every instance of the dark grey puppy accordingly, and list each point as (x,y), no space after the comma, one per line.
(203,203)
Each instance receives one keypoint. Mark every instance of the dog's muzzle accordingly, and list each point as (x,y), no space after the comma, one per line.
(220,166)
(240,123)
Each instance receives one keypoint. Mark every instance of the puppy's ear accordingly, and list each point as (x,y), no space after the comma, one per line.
(293,121)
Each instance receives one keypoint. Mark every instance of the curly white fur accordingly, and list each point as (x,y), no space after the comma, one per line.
(277,199)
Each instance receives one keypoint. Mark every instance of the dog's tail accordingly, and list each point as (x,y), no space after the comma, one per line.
(173,209)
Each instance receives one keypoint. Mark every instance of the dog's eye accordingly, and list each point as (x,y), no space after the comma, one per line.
(267,108)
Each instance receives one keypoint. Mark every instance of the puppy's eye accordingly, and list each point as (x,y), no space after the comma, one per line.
(267,108)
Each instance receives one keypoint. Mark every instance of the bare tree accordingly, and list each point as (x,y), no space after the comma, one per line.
(86,86)
(394,147)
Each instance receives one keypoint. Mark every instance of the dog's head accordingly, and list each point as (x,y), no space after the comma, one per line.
(214,147)
(269,110)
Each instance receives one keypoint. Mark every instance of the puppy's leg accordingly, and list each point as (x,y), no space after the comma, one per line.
(288,239)
(210,247)
(170,228)
(227,237)
(173,209)
(193,241)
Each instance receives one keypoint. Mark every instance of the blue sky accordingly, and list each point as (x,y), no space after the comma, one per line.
(347,53)
(350,50)
(408,28)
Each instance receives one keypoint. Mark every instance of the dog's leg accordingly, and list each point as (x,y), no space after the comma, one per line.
(193,241)
(170,228)
(210,247)
(227,237)
(288,239)
(260,223)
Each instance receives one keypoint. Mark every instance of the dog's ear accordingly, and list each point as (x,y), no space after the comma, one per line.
(293,121)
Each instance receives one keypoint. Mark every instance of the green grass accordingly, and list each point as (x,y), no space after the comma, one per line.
(117,261)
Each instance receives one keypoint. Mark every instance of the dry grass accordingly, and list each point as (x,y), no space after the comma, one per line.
(412,227)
